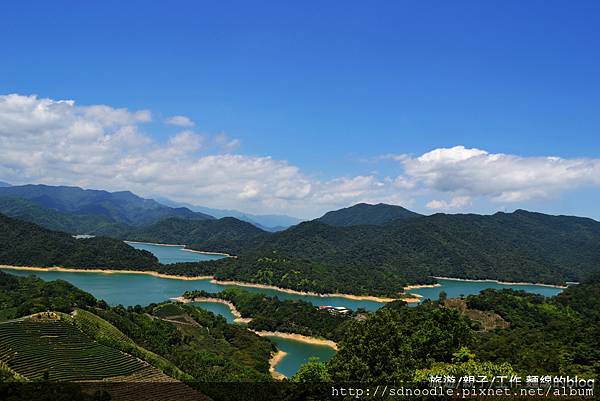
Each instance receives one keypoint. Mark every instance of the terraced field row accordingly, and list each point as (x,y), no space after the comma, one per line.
(90,323)
(57,350)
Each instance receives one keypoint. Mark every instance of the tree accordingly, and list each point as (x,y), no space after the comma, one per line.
(391,344)
(469,368)
(311,372)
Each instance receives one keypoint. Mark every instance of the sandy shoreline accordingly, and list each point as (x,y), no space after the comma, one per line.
(153,243)
(275,359)
(236,314)
(499,282)
(181,246)
(105,271)
(212,280)
(419,286)
(312,294)
(298,337)
(210,253)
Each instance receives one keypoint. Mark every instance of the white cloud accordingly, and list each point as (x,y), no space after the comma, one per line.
(225,143)
(180,121)
(60,142)
(456,202)
(499,177)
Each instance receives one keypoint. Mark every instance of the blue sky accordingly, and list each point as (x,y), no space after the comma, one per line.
(335,90)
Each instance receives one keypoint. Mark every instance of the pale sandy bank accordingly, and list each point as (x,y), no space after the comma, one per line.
(183,248)
(416,287)
(275,359)
(105,271)
(298,337)
(499,282)
(307,293)
(236,314)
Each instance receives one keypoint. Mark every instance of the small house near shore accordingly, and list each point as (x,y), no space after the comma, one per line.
(334,310)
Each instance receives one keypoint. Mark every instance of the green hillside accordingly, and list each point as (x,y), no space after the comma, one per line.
(181,341)
(51,219)
(364,213)
(227,234)
(519,246)
(26,244)
(539,336)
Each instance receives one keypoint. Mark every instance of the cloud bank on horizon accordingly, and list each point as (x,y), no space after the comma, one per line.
(58,142)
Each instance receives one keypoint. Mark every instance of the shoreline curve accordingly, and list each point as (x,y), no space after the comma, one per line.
(297,337)
(499,282)
(105,271)
(275,359)
(236,313)
(309,293)
(212,280)
(183,248)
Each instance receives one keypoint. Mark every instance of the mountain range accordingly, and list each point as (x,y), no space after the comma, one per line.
(121,207)
(518,246)
(384,241)
(87,211)
(267,222)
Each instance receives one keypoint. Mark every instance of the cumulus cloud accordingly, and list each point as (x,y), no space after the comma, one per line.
(180,121)
(225,143)
(59,142)
(469,173)
(456,202)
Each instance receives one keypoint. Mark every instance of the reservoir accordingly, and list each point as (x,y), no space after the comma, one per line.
(455,288)
(173,253)
(298,353)
(217,308)
(130,289)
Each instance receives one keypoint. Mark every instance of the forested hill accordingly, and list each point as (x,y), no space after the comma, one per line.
(364,213)
(519,246)
(120,207)
(26,244)
(51,219)
(227,234)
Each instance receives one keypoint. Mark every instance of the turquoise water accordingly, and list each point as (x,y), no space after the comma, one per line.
(217,308)
(130,289)
(174,254)
(298,354)
(456,288)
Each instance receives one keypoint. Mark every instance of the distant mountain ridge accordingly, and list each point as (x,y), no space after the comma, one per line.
(26,210)
(267,222)
(364,213)
(4,184)
(119,207)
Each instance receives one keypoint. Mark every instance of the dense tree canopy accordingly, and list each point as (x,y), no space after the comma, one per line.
(392,344)
(26,244)
(290,316)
